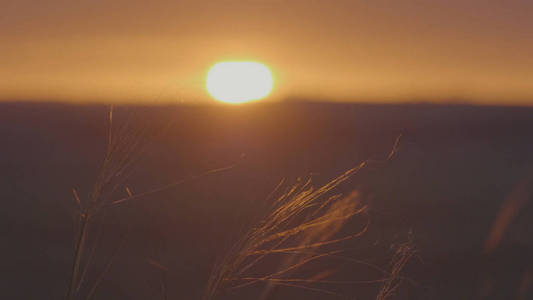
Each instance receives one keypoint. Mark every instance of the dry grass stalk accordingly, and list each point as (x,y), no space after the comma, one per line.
(404,252)
(124,148)
(301,225)
(510,208)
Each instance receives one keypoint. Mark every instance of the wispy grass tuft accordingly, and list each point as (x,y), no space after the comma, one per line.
(403,253)
(302,226)
(125,146)
(301,222)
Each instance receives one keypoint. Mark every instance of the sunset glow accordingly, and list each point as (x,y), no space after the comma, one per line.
(443,51)
(238,82)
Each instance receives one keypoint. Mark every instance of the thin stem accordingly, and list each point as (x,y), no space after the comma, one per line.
(78,253)
(184,180)
(110,132)
(106,269)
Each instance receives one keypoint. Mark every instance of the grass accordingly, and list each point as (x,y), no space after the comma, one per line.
(124,148)
(304,225)
(301,222)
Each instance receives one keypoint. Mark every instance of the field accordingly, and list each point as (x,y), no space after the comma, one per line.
(457,169)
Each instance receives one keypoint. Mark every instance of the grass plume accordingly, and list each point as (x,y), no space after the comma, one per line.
(302,226)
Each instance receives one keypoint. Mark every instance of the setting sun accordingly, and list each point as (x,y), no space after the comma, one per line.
(239,81)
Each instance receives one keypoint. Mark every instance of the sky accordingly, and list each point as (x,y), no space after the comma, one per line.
(478,51)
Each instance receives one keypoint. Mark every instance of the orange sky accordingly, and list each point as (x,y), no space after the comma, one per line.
(363,50)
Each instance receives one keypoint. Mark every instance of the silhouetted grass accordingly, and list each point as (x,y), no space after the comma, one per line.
(124,148)
(302,226)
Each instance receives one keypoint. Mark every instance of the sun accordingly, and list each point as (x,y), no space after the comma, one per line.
(239,81)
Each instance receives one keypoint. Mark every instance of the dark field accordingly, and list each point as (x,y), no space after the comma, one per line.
(454,168)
